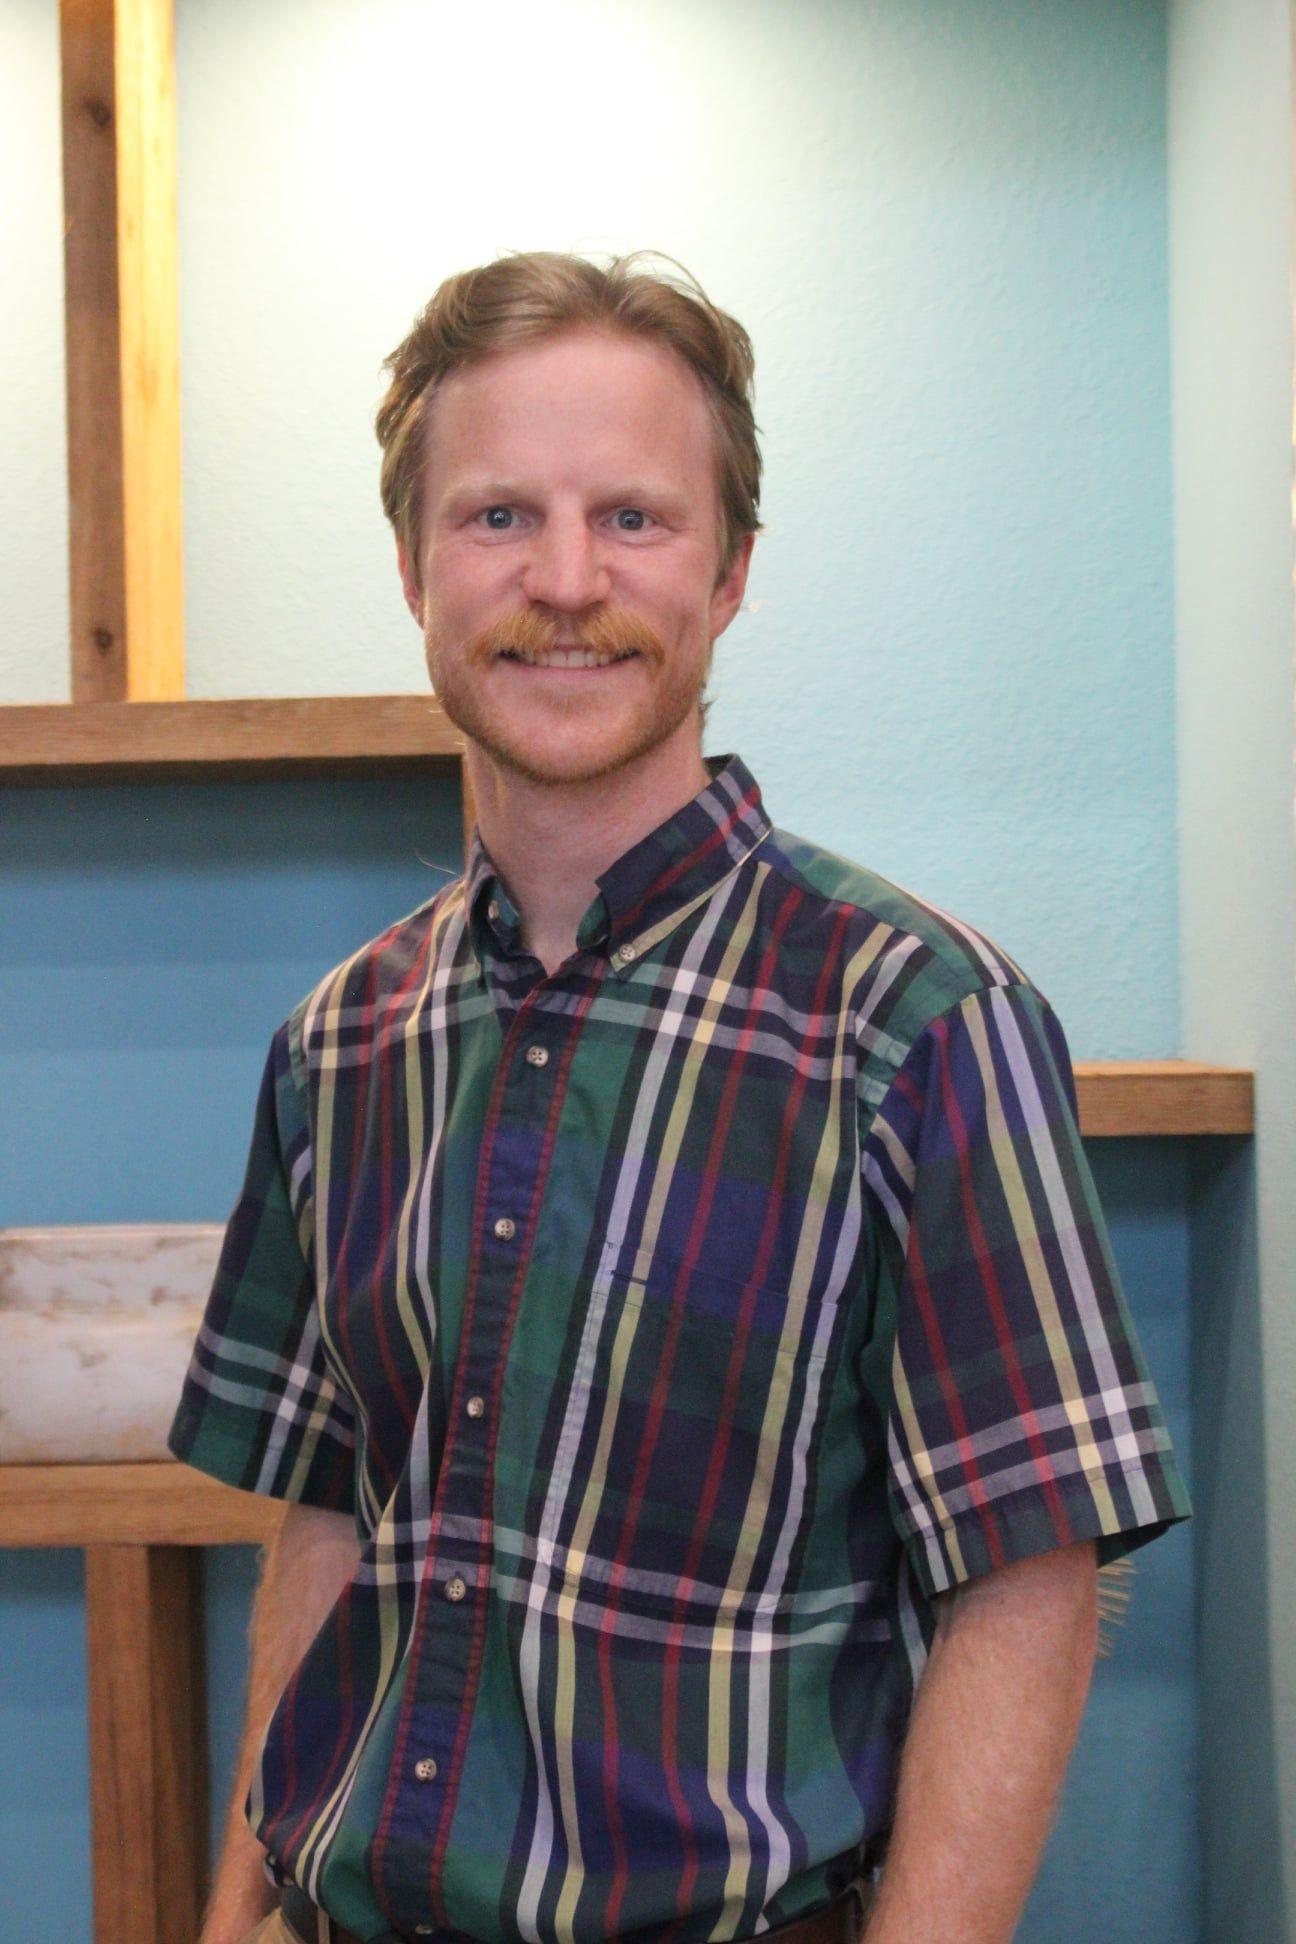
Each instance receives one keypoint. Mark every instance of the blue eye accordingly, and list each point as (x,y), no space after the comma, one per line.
(499,518)
(632,514)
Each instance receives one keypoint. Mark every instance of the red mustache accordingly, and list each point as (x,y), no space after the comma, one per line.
(606,630)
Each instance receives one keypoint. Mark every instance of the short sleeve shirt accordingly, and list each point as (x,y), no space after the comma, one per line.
(674,1327)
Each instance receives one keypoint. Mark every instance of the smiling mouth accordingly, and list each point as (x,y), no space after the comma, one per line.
(580,658)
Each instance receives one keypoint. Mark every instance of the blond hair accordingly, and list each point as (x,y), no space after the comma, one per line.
(529,295)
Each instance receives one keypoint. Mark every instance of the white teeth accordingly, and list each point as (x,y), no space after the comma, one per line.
(569,658)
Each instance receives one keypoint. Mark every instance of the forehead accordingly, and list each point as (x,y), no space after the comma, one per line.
(585,399)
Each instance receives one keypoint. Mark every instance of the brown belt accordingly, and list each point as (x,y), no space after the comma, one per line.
(837,1923)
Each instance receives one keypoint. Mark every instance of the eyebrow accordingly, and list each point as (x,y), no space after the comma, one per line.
(485,490)
(495,492)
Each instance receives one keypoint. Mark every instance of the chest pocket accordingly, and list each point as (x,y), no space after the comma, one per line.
(690,1445)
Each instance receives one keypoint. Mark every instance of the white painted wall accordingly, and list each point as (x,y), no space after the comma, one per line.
(1230,147)
(33,423)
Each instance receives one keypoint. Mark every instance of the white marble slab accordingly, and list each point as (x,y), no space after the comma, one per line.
(96,1327)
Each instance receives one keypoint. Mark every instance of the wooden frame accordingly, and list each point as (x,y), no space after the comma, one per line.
(123,349)
(128,717)
(1135,1098)
(141,1528)
(98,742)
(163,1504)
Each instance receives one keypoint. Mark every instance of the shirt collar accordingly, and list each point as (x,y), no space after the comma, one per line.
(652,886)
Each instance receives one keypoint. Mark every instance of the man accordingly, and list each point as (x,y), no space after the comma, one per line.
(667,1286)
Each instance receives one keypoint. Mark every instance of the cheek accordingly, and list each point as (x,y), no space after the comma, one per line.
(683,599)
(458,578)
(453,611)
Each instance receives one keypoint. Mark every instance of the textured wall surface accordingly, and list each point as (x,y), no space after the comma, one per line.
(33,461)
(1231,233)
(943,222)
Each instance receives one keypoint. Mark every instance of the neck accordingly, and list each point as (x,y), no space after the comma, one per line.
(551,841)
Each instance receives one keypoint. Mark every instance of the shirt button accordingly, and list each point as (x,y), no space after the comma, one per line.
(492,909)
(455,1588)
(426,1769)
(505,1228)
(537,1056)
(475,1407)
(623,954)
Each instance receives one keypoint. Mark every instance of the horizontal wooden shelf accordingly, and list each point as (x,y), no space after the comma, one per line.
(108,742)
(162,1504)
(1138,1097)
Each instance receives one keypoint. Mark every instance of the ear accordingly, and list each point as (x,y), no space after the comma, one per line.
(729,591)
(409,583)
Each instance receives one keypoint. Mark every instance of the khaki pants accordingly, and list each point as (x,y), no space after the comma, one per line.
(271,1930)
(275,1929)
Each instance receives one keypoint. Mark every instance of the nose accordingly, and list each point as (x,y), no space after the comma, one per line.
(565,569)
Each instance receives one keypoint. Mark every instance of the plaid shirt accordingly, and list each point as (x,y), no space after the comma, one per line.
(674,1327)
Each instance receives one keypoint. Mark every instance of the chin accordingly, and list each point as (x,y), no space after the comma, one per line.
(543,762)
(558,753)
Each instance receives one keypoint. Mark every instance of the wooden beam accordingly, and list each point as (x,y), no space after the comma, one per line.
(148,1742)
(162,1504)
(123,364)
(148,292)
(114,742)
(96,537)
(1163,1097)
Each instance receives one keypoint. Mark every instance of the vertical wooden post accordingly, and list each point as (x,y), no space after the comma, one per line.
(123,361)
(148,1742)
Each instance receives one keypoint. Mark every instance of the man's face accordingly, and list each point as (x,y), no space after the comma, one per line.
(570,499)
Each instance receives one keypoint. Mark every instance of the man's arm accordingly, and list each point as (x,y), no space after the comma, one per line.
(993,1724)
(303,1570)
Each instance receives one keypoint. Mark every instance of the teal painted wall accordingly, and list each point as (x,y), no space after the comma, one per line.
(945,223)
(1230,99)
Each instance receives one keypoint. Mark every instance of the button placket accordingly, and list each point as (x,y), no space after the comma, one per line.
(513,1160)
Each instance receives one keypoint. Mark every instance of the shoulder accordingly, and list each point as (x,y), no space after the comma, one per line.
(945,955)
(363,986)
(906,963)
